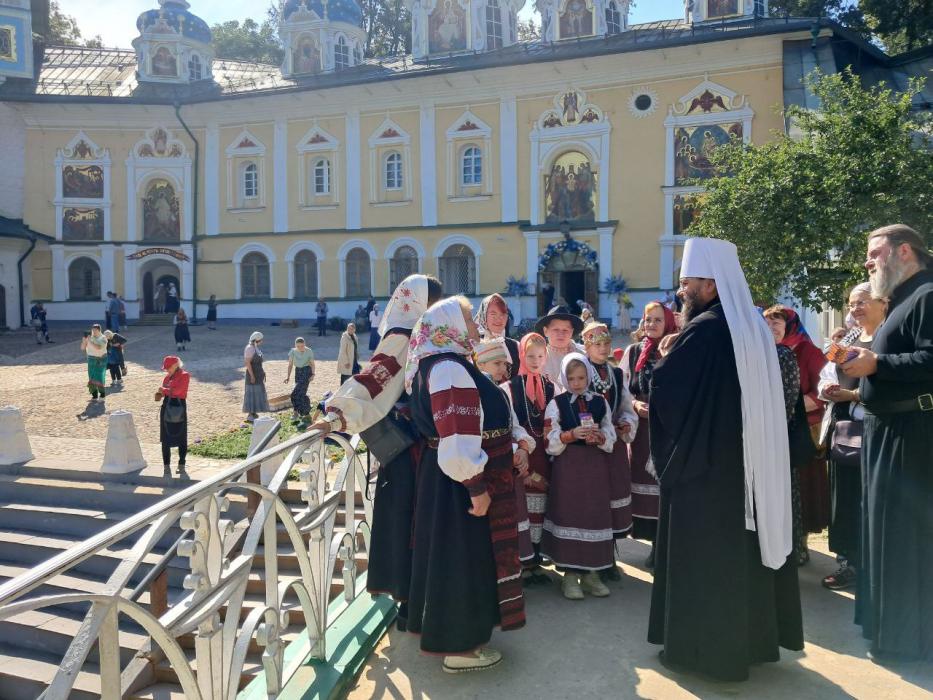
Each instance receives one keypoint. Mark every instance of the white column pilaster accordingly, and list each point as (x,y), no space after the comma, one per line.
(428,148)
(107,282)
(59,274)
(535,186)
(354,182)
(606,305)
(130,283)
(531,259)
(508,158)
(187,278)
(212,180)
(280,176)
(131,201)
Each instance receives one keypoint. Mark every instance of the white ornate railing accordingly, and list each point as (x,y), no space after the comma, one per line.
(223,546)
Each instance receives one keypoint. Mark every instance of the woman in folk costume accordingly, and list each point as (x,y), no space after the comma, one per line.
(492,319)
(492,358)
(578,523)
(637,366)
(364,400)
(466,576)
(529,391)
(609,383)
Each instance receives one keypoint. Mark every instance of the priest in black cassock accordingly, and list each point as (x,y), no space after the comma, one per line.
(725,592)
(894,595)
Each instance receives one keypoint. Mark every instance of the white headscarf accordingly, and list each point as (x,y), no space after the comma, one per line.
(409,301)
(441,329)
(590,373)
(764,426)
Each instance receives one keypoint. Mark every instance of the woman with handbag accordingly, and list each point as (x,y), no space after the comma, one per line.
(255,399)
(348,354)
(845,454)
(173,415)
(375,404)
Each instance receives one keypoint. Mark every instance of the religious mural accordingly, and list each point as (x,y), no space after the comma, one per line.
(576,19)
(164,63)
(7,43)
(694,146)
(82,224)
(83,181)
(570,190)
(447,28)
(161,220)
(685,213)
(722,8)
(306,58)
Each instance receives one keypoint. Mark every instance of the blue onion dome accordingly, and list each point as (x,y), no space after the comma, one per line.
(175,14)
(347,11)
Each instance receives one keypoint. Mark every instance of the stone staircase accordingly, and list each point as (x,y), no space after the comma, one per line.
(44,512)
(154,320)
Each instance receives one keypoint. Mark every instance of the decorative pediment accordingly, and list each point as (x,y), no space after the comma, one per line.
(303,13)
(245,144)
(570,109)
(159,143)
(706,98)
(317,139)
(388,133)
(81,147)
(468,125)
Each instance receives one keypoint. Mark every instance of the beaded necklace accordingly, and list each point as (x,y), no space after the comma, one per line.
(531,411)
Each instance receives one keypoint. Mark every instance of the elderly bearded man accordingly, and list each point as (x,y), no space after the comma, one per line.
(725,591)
(559,327)
(894,598)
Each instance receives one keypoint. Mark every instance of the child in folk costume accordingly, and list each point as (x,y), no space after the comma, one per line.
(492,358)
(530,392)
(609,383)
(578,523)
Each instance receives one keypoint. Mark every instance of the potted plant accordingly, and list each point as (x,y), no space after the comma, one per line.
(617,286)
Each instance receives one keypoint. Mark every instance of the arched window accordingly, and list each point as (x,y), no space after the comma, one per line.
(403,263)
(393,179)
(194,67)
(457,270)
(251,181)
(357,273)
(84,280)
(341,54)
(321,176)
(613,18)
(493,25)
(254,276)
(305,275)
(471,171)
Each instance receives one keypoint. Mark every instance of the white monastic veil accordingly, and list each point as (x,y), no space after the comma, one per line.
(764,424)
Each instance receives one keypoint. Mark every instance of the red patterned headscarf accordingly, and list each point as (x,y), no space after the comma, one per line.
(651,344)
(534,387)
(794,331)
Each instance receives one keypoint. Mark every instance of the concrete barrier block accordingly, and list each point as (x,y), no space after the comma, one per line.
(261,426)
(122,453)
(14,443)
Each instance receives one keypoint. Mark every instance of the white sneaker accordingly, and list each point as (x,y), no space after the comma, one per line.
(482,659)
(570,587)
(591,584)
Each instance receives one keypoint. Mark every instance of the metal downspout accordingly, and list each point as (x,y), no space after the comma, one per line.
(19,275)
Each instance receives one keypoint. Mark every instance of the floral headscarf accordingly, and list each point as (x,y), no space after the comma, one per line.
(590,373)
(441,329)
(651,344)
(409,301)
(794,332)
(494,299)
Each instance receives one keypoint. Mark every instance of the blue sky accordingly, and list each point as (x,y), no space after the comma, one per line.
(115,20)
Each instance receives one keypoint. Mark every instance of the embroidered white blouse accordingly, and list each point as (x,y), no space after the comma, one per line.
(552,418)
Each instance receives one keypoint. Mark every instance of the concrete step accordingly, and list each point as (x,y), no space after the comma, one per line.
(154,320)
(26,678)
(91,495)
(251,668)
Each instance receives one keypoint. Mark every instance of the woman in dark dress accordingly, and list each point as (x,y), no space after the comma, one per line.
(212,313)
(173,414)
(182,334)
(492,319)
(466,575)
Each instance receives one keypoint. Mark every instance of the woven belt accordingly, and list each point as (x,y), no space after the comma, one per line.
(923,403)
(433,442)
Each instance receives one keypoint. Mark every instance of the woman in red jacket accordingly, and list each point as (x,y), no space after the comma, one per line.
(788,330)
(173,415)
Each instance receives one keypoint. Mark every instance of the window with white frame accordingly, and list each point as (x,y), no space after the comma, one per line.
(493,25)
(83,280)
(457,270)
(194,67)
(341,54)
(357,270)
(393,171)
(305,270)
(471,166)
(404,262)
(254,276)
(321,177)
(250,181)
(613,18)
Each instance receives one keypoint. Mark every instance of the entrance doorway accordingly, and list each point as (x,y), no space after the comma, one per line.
(153,274)
(571,284)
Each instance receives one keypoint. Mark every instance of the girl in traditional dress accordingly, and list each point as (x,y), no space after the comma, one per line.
(637,366)
(115,343)
(466,576)
(212,313)
(302,359)
(364,400)
(492,319)
(182,334)
(173,414)
(578,523)
(529,392)
(255,400)
(94,345)
(609,383)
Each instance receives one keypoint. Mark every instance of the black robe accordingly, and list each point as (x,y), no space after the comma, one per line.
(894,598)
(714,606)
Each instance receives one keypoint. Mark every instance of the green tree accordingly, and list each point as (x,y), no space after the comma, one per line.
(901,25)
(63,29)
(798,207)
(528,30)
(248,40)
(388,27)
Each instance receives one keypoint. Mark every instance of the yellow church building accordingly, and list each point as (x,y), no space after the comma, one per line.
(477,158)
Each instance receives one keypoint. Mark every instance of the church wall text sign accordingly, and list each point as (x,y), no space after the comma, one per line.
(146,252)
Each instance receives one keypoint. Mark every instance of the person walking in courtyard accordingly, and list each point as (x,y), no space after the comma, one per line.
(348,354)
(374,318)
(493,319)
(38,317)
(159,298)
(114,307)
(182,333)
(725,593)
(302,359)
(320,311)
(559,326)
(894,589)
(173,414)
(172,303)
(212,313)
(115,343)
(94,345)
(255,400)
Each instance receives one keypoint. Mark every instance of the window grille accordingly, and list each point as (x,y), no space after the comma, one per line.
(357,273)
(403,263)
(305,275)
(254,276)
(83,280)
(457,270)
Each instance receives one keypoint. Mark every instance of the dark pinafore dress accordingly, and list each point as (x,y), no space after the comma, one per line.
(466,575)
(620,472)
(646,493)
